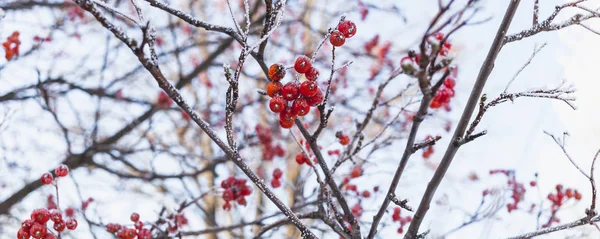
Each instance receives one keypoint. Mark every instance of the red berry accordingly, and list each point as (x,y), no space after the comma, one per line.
(227,195)
(559,187)
(449,82)
(348,28)
(337,38)
(71,224)
(315,99)
(290,91)
(300,159)
(40,215)
(344,139)
(62,170)
(286,124)
(366,194)
(569,193)
(277,173)
(246,191)
(577,195)
(69,212)
(312,74)
(275,183)
(300,107)
(134,217)
(227,206)
(439,36)
(309,88)
(55,215)
(302,64)
(287,116)
(164,101)
(130,233)
(241,201)
(27,224)
(59,226)
(277,104)
(47,178)
(38,230)
(356,172)
(111,227)
(23,234)
(274,88)
(532,183)
(400,230)
(276,72)
(138,225)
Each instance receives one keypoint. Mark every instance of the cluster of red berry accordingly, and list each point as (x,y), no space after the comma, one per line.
(276,181)
(517,188)
(294,98)
(345,29)
(558,200)
(11,46)
(402,220)
(36,226)
(123,232)
(443,95)
(411,62)
(302,96)
(235,190)
(265,136)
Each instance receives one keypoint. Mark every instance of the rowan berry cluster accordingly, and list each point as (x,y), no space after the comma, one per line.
(444,95)
(36,227)
(276,181)
(235,190)
(136,232)
(11,46)
(294,98)
(517,189)
(402,220)
(265,137)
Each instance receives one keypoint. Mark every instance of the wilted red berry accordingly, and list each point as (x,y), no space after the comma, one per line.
(276,72)
(274,88)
